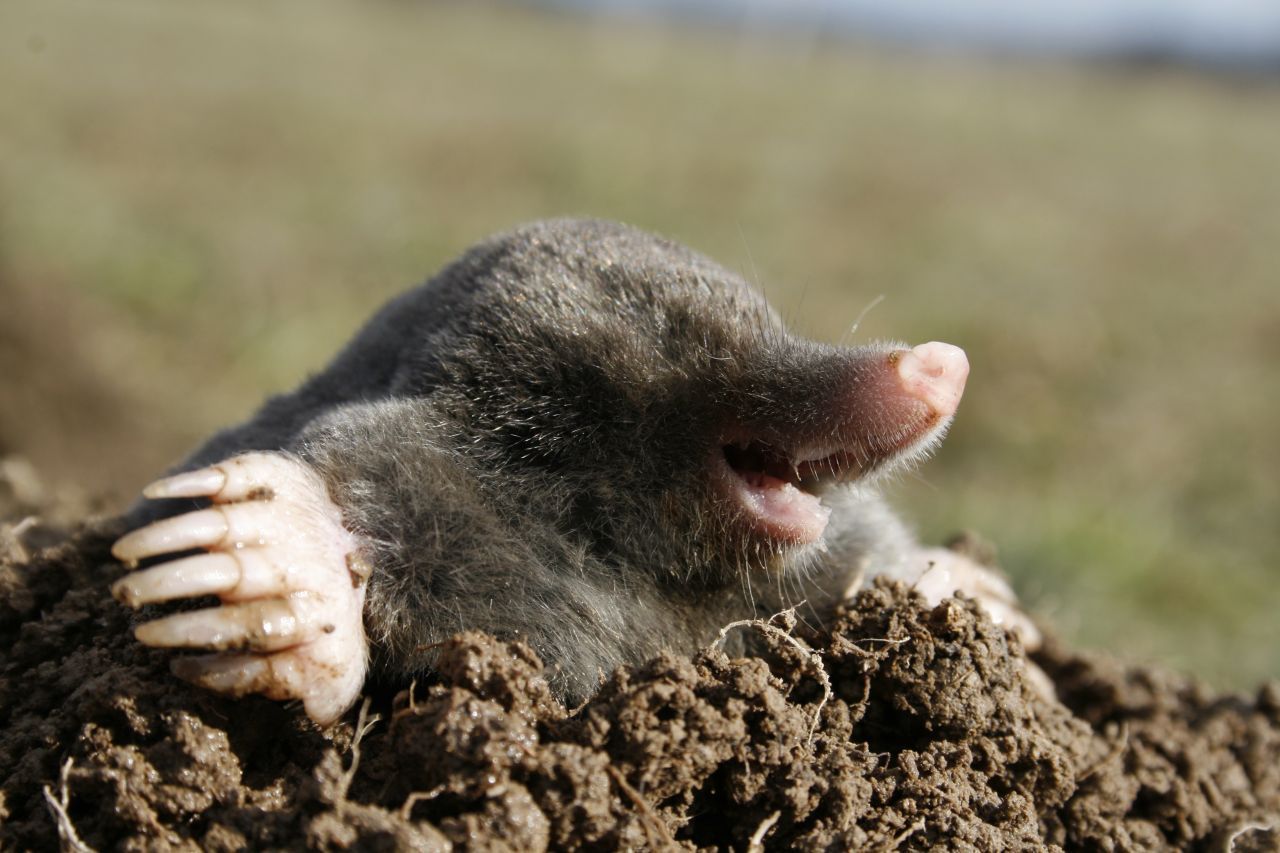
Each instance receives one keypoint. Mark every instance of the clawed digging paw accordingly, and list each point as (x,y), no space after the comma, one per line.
(947,572)
(286,569)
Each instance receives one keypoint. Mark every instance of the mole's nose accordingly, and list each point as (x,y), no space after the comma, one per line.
(935,373)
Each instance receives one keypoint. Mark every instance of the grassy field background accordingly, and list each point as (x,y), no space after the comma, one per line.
(199,202)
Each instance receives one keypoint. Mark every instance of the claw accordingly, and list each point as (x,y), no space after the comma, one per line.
(989,585)
(235,675)
(200,529)
(207,574)
(240,675)
(204,483)
(265,625)
(236,575)
(236,479)
(1012,619)
(232,524)
(936,583)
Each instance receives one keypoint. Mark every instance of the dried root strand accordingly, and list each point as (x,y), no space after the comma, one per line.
(67,836)
(788,618)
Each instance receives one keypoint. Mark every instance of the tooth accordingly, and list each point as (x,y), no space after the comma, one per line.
(812,454)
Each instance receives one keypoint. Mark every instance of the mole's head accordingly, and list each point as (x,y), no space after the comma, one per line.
(655,403)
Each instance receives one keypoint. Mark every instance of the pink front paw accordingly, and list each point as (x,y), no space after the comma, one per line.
(289,574)
(947,572)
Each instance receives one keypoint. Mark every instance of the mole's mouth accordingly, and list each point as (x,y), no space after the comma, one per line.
(781,492)
(763,465)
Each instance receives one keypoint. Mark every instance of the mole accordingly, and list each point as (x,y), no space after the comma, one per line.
(578,435)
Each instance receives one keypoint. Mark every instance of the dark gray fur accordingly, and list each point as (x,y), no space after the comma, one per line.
(522,446)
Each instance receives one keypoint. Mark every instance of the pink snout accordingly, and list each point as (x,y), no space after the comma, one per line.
(935,373)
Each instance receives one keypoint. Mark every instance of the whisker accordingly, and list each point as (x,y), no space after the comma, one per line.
(853,330)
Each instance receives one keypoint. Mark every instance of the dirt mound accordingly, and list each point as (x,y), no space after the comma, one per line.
(901,726)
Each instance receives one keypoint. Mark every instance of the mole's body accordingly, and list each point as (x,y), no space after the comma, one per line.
(577,434)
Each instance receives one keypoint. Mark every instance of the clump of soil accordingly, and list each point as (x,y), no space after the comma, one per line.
(898,726)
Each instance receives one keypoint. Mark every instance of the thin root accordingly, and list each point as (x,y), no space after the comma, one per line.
(652,823)
(815,660)
(411,705)
(756,843)
(67,835)
(363,724)
(1229,845)
(896,843)
(1117,749)
(406,808)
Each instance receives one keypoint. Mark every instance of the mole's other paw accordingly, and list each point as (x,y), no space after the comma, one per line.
(289,575)
(946,572)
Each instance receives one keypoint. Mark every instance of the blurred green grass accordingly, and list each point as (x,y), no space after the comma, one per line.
(199,202)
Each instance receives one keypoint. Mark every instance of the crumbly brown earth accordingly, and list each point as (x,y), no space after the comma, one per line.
(897,727)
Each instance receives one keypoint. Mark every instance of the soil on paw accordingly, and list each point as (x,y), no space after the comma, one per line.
(912,728)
